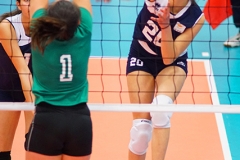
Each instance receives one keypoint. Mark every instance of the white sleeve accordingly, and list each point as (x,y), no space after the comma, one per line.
(157,3)
(149,3)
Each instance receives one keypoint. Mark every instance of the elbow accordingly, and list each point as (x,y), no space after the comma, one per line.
(168,61)
(171,57)
(168,56)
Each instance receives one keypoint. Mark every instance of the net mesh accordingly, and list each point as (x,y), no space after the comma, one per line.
(211,84)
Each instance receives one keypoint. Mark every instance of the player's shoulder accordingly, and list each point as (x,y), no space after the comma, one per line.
(4,22)
(14,21)
(192,12)
(195,8)
(5,26)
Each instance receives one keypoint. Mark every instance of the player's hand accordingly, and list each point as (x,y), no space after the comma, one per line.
(163,17)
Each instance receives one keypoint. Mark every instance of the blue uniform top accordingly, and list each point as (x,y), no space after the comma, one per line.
(9,78)
(150,32)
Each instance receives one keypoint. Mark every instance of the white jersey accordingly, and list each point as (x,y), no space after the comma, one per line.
(157,4)
(11,81)
(16,22)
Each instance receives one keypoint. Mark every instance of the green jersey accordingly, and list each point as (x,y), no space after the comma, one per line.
(60,73)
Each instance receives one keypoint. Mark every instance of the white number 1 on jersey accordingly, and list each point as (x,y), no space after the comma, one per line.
(66,75)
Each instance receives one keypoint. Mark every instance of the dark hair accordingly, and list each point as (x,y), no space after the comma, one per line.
(60,22)
(9,14)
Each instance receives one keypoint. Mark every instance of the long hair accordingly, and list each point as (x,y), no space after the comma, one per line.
(9,14)
(60,22)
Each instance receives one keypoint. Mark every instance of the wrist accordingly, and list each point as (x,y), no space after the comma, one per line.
(165,27)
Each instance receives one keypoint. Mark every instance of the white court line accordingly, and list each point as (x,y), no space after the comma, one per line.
(205,54)
(210,108)
(179,108)
(218,116)
(215,101)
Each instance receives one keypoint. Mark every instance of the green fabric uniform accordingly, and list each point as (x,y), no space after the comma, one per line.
(60,73)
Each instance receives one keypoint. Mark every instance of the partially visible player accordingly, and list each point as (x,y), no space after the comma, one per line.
(235,40)
(157,68)
(61,44)
(15,72)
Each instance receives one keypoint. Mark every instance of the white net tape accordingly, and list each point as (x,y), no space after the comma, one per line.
(138,107)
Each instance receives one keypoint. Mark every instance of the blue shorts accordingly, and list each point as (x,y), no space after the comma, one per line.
(60,130)
(11,96)
(140,60)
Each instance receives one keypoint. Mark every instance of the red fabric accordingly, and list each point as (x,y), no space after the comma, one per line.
(216,11)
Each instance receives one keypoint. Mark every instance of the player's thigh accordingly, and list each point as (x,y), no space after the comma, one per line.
(8,124)
(141,87)
(170,81)
(28,115)
(66,157)
(37,156)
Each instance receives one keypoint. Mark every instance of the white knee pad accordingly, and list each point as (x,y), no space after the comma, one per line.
(141,134)
(161,119)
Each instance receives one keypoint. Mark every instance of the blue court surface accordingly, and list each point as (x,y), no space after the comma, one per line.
(112,33)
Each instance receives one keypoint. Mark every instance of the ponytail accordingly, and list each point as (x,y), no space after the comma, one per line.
(60,23)
(45,29)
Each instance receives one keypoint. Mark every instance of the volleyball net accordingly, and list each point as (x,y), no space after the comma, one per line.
(211,84)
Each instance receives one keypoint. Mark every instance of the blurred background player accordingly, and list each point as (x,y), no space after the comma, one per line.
(235,40)
(15,72)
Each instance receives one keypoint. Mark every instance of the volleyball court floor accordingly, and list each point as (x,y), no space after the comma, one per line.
(194,136)
(212,69)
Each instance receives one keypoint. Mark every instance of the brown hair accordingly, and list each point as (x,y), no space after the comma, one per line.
(60,22)
(9,14)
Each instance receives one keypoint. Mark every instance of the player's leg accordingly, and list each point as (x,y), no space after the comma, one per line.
(169,83)
(234,41)
(141,86)
(8,124)
(37,156)
(66,157)
(28,115)
(236,12)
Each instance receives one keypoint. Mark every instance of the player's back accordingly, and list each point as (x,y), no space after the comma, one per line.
(61,71)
